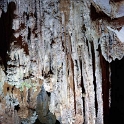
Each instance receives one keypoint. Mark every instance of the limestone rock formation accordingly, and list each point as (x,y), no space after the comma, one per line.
(58,61)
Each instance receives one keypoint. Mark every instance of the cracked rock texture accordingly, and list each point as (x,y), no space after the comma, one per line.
(55,58)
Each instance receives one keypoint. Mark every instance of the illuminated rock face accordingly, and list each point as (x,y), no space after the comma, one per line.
(113,8)
(55,60)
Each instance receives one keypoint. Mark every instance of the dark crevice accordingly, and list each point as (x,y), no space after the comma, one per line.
(105,86)
(47,75)
(7,88)
(52,42)
(29,33)
(17,107)
(12,89)
(50,65)
(82,83)
(87,45)
(83,89)
(117,92)
(76,63)
(97,15)
(83,28)
(68,72)
(35,15)
(84,109)
(116,0)
(57,122)
(94,77)
(6,32)
(48,93)
(50,72)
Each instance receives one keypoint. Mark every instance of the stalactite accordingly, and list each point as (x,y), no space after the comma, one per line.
(58,61)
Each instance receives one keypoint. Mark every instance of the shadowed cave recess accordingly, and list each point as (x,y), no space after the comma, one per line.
(61,62)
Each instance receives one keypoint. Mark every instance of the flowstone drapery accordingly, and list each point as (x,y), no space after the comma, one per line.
(57,58)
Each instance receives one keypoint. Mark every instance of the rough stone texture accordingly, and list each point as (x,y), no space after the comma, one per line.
(58,50)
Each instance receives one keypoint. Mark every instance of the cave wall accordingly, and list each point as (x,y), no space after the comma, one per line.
(60,51)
